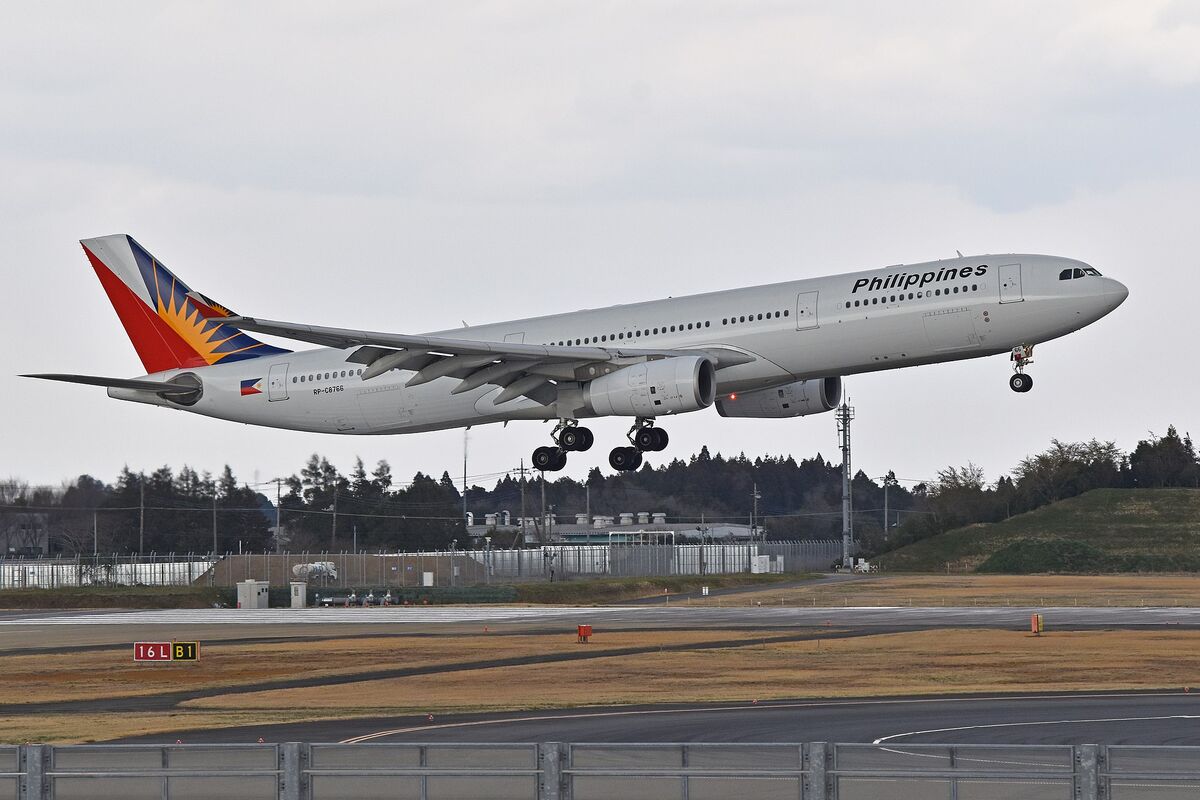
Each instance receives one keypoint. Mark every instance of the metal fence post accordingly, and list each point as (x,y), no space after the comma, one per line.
(816,781)
(551,784)
(292,762)
(1087,771)
(33,759)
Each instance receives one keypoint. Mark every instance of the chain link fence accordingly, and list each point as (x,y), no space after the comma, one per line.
(409,570)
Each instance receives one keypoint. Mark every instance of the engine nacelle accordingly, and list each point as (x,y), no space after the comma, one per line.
(794,400)
(654,388)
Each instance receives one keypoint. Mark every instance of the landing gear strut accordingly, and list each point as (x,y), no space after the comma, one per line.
(645,438)
(1022,356)
(569,437)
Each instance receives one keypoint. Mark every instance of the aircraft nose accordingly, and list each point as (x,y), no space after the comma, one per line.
(1116,293)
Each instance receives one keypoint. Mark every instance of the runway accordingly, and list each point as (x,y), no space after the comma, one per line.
(1158,718)
(678,616)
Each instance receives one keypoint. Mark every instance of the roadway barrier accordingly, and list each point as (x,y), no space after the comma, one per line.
(578,771)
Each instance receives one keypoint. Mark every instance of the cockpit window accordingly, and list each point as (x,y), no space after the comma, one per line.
(1077,272)
(1091,271)
(1065,275)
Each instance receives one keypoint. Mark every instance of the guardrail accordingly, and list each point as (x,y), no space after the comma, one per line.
(566,771)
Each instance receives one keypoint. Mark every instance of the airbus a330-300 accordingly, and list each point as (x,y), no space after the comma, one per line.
(772,351)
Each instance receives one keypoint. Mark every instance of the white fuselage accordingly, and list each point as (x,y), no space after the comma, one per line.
(798,330)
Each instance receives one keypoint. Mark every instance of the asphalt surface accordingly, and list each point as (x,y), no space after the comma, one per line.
(1151,718)
(673,616)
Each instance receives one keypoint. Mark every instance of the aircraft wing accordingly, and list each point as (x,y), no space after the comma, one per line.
(522,369)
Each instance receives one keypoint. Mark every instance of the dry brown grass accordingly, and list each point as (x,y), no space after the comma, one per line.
(927,662)
(113,674)
(888,664)
(983,590)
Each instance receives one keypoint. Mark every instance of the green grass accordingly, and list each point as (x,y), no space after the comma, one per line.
(115,597)
(1149,530)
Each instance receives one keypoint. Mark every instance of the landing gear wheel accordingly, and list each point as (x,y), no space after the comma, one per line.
(1020,382)
(646,439)
(661,439)
(576,439)
(624,459)
(549,459)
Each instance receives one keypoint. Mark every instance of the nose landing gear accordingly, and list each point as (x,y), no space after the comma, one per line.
(1022,356)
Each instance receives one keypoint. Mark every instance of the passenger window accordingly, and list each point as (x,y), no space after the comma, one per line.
(974,287)
(785,312)
(910,295)
(760,317)
(893,298)
(706,323)
(621,335)
(294,379)
(938,292)
(856,302)
(777,315)
(956,290)
(847,304)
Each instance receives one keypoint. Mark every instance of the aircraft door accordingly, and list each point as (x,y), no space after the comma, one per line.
(515,338)
(1010,284)
(806,310)
(277,382)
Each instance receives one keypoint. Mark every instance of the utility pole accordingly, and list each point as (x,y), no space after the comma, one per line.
(755,496)
(141,511)
(523,501)
(278,529)
(214,524)
(545,539)
(95,533)
(886,523)
(465,475)
(587,494)
(333,530)
(844,415)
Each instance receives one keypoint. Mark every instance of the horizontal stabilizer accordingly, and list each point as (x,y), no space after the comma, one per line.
(159,387)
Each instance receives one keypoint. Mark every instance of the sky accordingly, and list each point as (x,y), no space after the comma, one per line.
(409,166)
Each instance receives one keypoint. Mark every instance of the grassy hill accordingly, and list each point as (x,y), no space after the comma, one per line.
(1106,530)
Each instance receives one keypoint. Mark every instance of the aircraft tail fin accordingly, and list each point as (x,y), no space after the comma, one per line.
(170,325)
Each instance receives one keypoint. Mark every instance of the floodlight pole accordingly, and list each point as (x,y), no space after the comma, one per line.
(844,415)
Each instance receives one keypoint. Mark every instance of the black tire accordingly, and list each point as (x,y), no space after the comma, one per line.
(544,458)
(570,439)
(624,459)
(1020,382)
(661,440)
(645,438)
(587,439)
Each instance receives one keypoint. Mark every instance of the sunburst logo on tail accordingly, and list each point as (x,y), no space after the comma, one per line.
(196,318)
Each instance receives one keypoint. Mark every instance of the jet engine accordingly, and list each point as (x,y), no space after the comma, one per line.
(654,388)
(793,400)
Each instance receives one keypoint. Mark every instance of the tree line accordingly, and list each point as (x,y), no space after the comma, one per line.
(324,509)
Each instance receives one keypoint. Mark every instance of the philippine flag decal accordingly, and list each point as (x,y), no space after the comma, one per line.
(252,386)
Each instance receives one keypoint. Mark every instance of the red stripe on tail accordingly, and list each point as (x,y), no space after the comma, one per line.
(159,347)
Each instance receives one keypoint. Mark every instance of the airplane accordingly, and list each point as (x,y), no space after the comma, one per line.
(766,352)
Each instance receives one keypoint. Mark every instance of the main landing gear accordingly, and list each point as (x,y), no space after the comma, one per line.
(1022,356)
(568,436)
(645,438)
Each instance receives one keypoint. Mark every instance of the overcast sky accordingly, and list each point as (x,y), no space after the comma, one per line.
(404,167)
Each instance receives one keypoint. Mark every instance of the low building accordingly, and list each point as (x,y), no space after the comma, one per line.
(628,528)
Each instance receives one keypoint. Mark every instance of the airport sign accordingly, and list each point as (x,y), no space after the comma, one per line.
(166,651)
